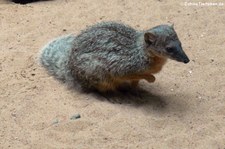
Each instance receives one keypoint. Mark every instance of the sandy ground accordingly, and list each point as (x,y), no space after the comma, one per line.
(184,108)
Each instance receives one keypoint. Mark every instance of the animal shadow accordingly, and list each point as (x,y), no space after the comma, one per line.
(27,1)
(132,96)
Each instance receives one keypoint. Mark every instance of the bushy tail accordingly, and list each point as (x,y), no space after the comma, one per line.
(55,57)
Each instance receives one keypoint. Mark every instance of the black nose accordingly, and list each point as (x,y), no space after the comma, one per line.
(186,61)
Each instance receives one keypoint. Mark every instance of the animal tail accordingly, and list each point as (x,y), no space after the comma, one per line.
(55,57)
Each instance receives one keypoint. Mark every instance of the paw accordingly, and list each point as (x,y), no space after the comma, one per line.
(150,78)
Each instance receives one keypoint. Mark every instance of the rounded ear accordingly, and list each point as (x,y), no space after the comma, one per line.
(149,38)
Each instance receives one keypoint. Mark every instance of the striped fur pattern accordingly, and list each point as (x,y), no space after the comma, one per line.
(107,54)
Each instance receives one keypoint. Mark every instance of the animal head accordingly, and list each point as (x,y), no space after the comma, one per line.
(162,41)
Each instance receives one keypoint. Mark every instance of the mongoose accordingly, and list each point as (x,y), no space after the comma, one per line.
(108,54)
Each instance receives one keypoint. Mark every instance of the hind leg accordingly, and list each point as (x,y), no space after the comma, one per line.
(105,86)
(134,83)
(113,84)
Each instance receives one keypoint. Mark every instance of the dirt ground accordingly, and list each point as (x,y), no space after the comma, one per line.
(184,108)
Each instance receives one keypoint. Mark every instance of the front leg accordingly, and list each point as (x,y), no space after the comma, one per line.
(134,78)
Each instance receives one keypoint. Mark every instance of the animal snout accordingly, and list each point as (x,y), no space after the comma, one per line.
(186,60)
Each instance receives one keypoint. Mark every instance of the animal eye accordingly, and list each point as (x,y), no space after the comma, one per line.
(170,49)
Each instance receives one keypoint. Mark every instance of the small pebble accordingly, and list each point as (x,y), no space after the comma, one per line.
(55,122)
(101,17)
(190,72)
(76,116)
(13,114)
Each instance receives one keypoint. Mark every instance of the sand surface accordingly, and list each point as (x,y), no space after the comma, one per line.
(184,108)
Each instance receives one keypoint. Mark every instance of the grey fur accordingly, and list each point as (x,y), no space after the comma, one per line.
(166,38)
(55,57)
(106,50)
